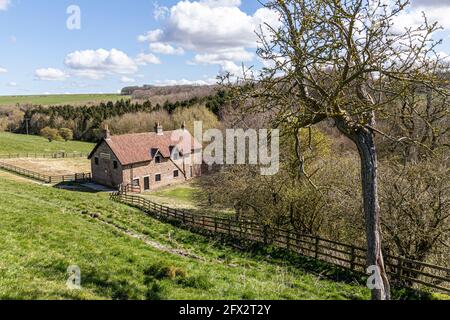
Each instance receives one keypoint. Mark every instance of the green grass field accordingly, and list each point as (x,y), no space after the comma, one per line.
(17,143)
(59,99)
(188,197)
(45,230)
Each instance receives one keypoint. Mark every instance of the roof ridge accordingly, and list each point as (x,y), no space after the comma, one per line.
(142,133)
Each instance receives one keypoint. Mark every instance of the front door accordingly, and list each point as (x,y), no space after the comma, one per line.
(147,183)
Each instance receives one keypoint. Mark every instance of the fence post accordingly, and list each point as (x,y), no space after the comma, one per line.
(265,236)
(352,259)
(229,227)
(288,240)
(399,268)
(316,248)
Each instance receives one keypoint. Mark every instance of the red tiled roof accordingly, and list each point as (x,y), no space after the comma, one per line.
(136,148)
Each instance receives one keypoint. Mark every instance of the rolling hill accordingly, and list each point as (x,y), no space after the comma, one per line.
(123,254)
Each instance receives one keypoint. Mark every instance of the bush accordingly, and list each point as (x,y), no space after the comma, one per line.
(66,134)
(50,134)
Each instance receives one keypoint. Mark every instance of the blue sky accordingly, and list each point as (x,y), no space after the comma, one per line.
(190,42)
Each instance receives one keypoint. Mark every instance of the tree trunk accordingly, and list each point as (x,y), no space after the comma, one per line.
(364,140)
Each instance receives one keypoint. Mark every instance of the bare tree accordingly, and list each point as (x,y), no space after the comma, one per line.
(344,62)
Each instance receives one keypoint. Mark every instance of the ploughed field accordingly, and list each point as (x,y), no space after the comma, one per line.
(52,167)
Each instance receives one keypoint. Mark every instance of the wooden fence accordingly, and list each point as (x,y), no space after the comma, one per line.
(77,177)
(56,155)
(404,272)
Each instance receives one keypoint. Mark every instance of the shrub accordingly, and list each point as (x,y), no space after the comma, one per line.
(50,134)
(66,134)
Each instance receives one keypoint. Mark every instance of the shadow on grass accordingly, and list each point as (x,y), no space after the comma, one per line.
(75,186)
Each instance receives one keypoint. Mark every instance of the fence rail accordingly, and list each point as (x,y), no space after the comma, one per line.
(403,271)
(76,177)
(56,155)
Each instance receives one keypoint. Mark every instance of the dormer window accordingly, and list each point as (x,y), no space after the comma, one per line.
(158,159)
(174,153)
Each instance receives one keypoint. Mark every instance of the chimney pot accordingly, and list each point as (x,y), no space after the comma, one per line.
(106,132)
(159,129)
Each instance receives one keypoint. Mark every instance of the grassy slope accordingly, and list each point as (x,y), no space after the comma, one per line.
(187,197)
(44,230)
(16,143)
(59,99)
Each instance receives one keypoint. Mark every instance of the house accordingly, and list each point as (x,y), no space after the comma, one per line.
(146,161)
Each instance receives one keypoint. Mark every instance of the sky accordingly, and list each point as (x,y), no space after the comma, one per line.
(100,46)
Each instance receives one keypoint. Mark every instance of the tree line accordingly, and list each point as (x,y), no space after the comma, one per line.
(85,122)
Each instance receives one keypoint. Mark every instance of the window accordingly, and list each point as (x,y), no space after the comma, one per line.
(96,161)
(147,183)
(136,183)
(176,174)
(158,159)
(116,165)
(158,178)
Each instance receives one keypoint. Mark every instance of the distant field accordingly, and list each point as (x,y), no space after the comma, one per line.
(187,197)
(17,143)
(60,99)
(53,167)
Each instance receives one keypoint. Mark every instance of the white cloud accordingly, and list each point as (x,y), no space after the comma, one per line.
(185,82)
(217,31)
(4,4)
(95,64)
(144,59)
(238,54)
(50,74)
(429,3)
(435,11)
(151,36)
(164,48)
(12,84)
(3,70)
(127,80)
(160,12)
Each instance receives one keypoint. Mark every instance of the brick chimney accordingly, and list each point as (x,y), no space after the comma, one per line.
(159,129)
(183,126)
(106,132)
